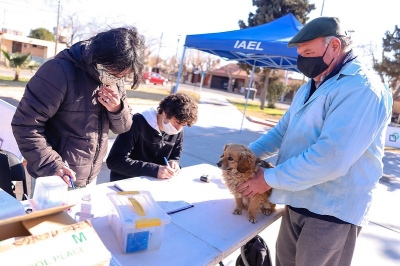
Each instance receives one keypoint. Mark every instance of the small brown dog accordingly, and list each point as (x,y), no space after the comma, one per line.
(238,164)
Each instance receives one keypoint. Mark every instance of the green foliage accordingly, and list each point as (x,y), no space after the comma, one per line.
(295,85)
(274,93)
(22,80)
(390,65)
(16,61)
(256,107)
(269,10)
(275,89)
(42,34)
(32,64)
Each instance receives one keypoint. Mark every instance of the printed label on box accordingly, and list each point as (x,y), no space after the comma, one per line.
(137,241)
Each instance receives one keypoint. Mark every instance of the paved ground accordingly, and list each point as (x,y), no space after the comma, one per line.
(220,123)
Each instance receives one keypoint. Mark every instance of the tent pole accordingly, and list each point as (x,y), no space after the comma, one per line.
(248,94)
(180,70)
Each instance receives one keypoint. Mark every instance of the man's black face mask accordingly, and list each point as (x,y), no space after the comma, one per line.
(312,66)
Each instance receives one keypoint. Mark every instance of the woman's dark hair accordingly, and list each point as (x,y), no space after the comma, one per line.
(181,106)
(118,50)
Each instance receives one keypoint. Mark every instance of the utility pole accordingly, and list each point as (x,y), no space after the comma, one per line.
(4,18)
(322,9)
(159,48)
(58,24)
(176,59)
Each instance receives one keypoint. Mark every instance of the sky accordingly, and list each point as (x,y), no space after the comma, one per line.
(174,19)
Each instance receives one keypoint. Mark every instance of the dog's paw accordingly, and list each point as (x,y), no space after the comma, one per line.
(237,212)
(266,211)
(252,219)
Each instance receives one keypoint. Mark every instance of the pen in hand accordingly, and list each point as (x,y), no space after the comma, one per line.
(166,161)
(70,178)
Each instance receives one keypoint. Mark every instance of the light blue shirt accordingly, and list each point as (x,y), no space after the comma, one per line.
(330,148)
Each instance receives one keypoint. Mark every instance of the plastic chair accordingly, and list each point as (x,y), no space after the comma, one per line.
(11,169)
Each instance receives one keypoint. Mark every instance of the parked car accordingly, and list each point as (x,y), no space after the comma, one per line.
(155,78)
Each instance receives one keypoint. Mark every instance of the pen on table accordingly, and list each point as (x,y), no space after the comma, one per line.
(70,178)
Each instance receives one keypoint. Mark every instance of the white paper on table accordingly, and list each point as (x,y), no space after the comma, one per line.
(129,185)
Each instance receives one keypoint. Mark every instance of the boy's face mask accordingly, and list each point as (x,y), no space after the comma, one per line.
(169,128)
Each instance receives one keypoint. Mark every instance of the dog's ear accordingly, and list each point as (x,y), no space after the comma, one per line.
(226,146)
(246,161)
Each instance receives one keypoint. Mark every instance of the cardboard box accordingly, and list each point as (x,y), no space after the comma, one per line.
(50,237)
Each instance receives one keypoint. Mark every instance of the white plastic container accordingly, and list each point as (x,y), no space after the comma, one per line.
(137,221)
(50,191)
(9,206)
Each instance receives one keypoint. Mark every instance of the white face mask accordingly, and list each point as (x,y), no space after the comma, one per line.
(169,128)
(105,77)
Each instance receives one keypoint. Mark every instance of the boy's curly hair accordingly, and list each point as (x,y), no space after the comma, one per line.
(181,106)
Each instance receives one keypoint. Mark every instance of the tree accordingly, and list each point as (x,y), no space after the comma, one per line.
(16,61)
(72,28)
(32,64)
(230,70)
(390,64)
(295,85)
(267,11)
(75,30)
(205,63)
(209,64)
(185,68)
(275,88)
(42,34)
(151,44)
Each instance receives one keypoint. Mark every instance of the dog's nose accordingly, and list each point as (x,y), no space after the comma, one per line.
(219,164)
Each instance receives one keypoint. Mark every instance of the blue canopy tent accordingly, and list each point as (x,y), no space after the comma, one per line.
(263,46)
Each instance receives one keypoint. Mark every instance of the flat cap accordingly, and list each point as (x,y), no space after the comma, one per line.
(319,27)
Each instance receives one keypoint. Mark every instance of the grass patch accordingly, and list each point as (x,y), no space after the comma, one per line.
(253,109)
(21,80)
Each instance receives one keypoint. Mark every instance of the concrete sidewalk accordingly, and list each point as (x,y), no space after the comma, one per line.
(220,123)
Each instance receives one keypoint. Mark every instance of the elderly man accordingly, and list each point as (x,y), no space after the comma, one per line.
(330,145)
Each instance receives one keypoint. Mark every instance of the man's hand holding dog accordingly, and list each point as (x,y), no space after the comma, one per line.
(255,185)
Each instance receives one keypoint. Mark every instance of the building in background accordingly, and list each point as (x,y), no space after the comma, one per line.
(232,79)
(12,41)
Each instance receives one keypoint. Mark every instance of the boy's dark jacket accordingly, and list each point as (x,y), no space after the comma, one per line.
(141,150)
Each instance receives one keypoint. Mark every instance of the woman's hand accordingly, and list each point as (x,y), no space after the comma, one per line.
(65,173)
(109,99)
